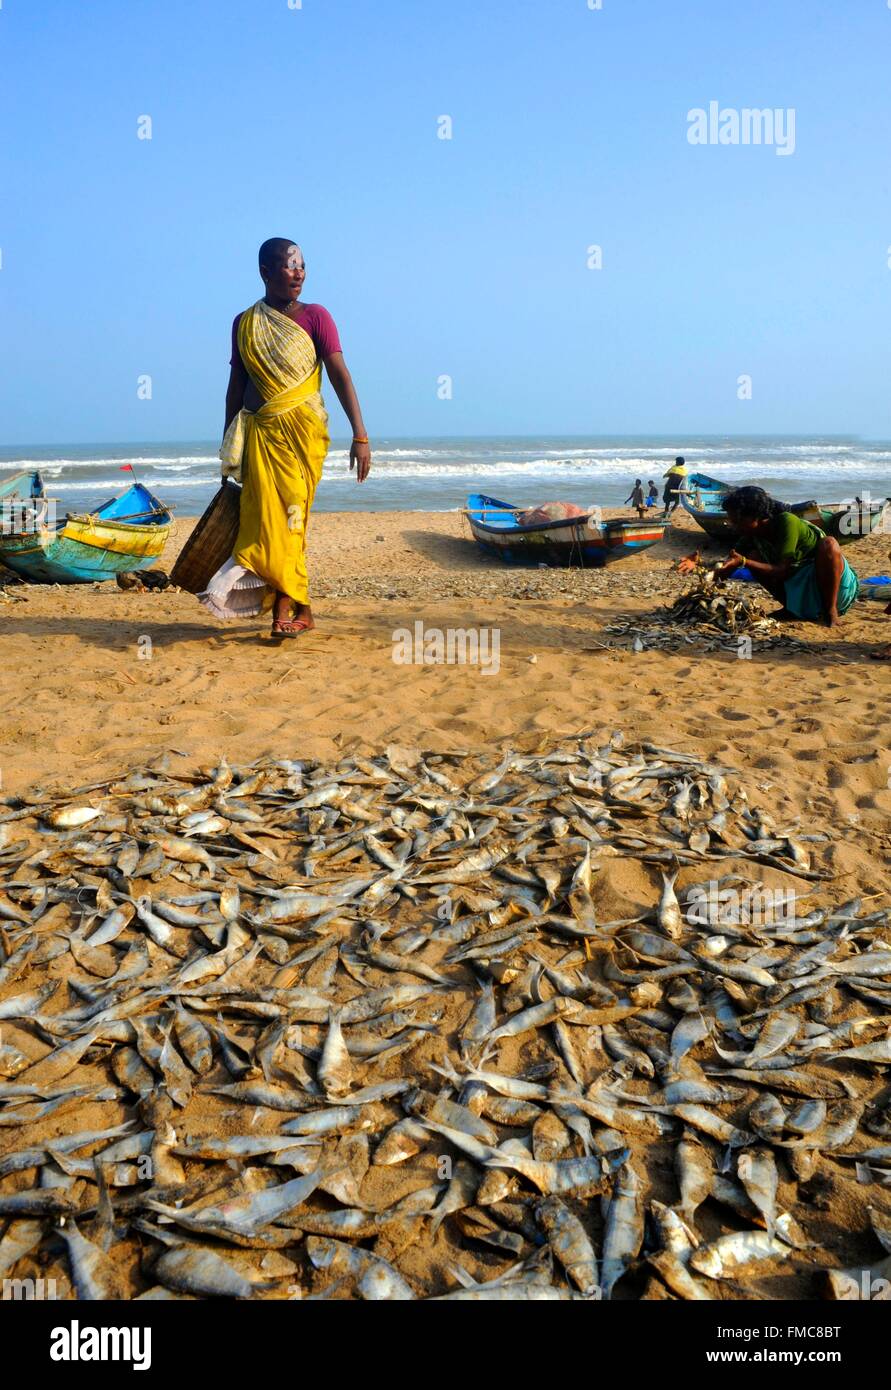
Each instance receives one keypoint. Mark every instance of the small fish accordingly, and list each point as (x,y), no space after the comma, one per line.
(534,1017)
(767,1116)
(879,1052)
(112,925)
(668,911)
(28,1004)
(461,1191)
(71,817)
(806,1117)
(206,1274)
(551,1138)
(624,1232)
(757,1171)
(185,852)
(19,1239)
(9,912)
(93,1273)
(730,1255)
(12,1061)
(250,1213)
(481,1019)
(335,1119)
(376,1278)
(60,1061)
(195,1041)
(43,1202)
(569,1241)
(694,1170)
(447,1112)
(335,1070)
(259,1093)
(405,1139)
(561,1177)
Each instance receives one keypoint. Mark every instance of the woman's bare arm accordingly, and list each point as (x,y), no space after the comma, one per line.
(339,376)
(235,391)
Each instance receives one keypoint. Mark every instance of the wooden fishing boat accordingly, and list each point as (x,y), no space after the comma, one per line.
(24,505)
(702,498)
(580,540)
(17,483)
(126,533)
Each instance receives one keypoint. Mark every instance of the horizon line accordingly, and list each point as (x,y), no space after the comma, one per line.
(829,437)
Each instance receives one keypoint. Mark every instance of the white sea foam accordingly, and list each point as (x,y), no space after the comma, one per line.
(432,474)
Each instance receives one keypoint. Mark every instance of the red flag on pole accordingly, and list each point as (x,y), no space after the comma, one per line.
(126,468)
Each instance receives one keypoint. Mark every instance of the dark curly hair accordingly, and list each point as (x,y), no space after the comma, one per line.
(752,504)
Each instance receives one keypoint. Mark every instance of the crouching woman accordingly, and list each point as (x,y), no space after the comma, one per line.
(801,567)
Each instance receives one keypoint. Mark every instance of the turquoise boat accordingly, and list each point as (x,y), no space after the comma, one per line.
(702,498)
(14,487)
(126,533)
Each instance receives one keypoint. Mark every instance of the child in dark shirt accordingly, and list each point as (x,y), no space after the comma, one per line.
(637,497)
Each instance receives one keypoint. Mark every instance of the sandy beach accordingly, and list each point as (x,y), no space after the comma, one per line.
(98,682)
(95,678)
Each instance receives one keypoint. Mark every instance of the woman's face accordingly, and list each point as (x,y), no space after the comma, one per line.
(746,525)
(285,280)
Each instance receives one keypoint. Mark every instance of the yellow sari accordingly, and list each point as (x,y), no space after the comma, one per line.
(277,453)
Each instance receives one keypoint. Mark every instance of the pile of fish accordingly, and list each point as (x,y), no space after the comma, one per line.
(714,603)
(298,1030)
(713,613)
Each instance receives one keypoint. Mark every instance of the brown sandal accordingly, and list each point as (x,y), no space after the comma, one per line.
(290,627)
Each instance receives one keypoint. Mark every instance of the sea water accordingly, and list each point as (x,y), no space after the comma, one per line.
(436,474)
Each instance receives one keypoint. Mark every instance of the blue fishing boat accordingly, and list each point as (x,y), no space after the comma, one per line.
(499,528)
(702,497)
(126,533)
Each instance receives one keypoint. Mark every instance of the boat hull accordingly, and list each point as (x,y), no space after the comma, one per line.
(19,485)
(582,541)
(54,558)
(845,521)
(91,548)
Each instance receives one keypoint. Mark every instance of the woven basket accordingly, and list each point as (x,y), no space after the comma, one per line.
(211,543)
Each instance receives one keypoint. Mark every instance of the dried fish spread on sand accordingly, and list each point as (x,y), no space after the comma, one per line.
(710,614)
(295,1030)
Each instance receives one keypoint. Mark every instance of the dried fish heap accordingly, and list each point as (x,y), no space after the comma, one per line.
(716,604)
(291,1030)
(712,612)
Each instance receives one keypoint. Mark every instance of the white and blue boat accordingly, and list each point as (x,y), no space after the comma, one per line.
(584,541)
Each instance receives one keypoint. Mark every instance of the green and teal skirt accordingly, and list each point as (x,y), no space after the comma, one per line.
(803,593)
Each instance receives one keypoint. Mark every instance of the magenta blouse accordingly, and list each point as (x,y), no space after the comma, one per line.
(314,320)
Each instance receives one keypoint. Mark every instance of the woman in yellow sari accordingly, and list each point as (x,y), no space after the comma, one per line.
(276,439)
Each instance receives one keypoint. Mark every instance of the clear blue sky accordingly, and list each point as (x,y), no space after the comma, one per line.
(464,257)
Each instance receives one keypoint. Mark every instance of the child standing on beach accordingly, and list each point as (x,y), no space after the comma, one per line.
(653,494)
(637,497)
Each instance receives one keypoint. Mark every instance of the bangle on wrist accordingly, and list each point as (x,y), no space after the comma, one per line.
(360,440)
